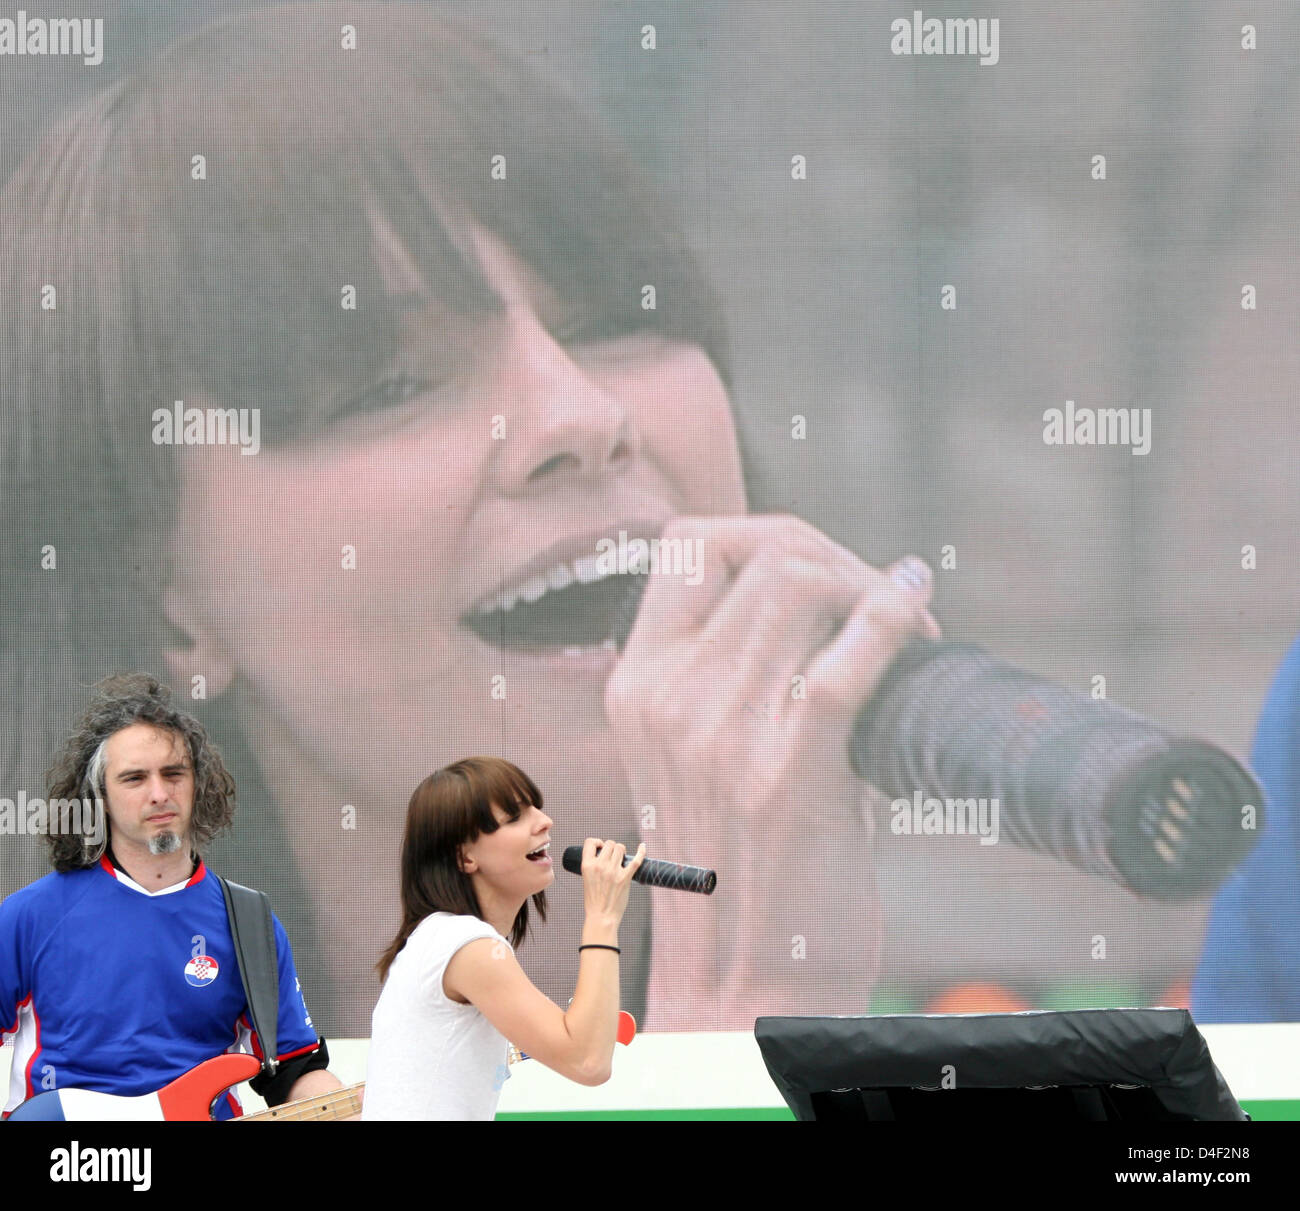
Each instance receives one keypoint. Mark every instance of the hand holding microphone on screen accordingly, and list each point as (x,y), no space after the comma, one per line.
(731,708)
(1081,780)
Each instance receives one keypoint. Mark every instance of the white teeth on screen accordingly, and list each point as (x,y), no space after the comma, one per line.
(502,601)
(587,569)
(582,571)
(533,588)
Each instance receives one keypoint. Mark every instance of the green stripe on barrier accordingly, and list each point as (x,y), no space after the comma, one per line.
(1273,1112)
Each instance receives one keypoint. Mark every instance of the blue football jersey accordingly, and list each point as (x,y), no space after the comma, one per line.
(106,986)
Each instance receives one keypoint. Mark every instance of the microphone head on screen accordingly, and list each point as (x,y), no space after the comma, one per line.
(1183,821)
(1084,781)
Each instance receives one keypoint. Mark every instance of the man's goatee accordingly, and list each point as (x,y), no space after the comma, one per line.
(164,843)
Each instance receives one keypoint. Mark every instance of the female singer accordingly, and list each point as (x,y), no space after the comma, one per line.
(473,855)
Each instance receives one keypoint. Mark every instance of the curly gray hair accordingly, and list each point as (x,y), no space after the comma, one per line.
(79,769)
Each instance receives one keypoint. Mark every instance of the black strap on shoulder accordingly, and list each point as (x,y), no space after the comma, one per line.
(259,969)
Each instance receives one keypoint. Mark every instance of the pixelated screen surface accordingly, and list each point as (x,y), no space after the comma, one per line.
(354,354)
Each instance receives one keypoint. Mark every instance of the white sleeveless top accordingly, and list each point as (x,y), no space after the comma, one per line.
(432,1057)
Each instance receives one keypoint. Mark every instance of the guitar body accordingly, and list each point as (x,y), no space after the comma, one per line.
(187,1099)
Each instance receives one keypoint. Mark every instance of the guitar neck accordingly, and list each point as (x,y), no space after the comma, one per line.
(324,1107)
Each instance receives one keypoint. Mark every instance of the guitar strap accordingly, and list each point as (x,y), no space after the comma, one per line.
(254,937)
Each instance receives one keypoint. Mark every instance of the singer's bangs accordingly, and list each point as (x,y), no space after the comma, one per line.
(491,780)
(239,187)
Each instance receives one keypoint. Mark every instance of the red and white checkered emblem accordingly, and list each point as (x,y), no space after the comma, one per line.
(200,971)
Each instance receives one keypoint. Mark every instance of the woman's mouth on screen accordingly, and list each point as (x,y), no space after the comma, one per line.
(573,613)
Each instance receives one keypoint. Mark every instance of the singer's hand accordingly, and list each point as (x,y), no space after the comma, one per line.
(732,707)
(605,880)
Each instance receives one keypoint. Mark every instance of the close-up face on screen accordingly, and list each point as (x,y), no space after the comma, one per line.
(853,460)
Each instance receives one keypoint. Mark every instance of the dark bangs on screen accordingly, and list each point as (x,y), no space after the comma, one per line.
(233,283)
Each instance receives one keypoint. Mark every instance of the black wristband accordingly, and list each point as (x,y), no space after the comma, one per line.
(600,946)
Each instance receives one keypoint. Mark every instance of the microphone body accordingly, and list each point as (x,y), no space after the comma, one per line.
(654,872)
(1084,781)
(1081,780)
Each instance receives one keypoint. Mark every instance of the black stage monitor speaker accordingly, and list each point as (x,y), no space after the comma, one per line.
(1135,1065)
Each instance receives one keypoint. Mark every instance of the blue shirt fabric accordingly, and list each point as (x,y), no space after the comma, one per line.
(1250,967)
(105,987)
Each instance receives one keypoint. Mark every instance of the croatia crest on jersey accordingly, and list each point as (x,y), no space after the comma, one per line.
(200,971)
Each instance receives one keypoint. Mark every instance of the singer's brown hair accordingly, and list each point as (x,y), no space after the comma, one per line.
(450,808)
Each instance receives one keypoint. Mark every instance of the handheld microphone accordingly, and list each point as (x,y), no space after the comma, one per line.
(1080,780)
(655,873)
